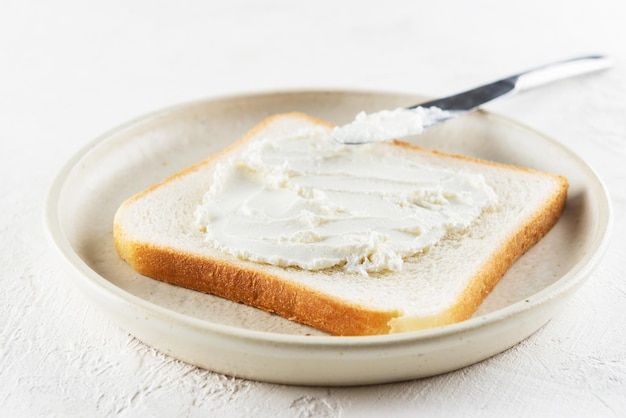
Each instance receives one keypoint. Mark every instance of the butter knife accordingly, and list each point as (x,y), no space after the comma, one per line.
(380,125)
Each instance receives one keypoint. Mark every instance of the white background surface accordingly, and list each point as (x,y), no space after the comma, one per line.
(72,70)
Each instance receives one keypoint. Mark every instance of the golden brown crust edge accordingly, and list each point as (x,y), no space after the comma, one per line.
(500,262)
(252,287)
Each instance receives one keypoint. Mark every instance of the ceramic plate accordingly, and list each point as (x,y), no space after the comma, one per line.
(241,341)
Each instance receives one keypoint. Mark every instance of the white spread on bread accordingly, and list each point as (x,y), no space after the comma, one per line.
(386,124)
(302,199)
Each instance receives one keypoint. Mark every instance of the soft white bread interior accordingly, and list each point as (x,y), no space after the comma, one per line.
(155,232)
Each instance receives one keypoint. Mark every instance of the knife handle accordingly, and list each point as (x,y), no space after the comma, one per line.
(560,70)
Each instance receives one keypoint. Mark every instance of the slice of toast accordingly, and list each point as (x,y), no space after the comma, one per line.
(158,234)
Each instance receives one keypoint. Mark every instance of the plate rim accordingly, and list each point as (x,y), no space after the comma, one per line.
(578,273)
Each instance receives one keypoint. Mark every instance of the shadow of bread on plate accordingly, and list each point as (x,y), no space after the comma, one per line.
(353,240)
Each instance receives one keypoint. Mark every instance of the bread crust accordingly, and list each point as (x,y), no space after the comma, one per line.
(516,246)
(254,286)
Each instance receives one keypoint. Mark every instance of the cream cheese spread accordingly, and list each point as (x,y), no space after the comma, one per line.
(304,200)
(387,124)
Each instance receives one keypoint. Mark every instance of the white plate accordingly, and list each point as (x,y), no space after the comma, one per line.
(238,340)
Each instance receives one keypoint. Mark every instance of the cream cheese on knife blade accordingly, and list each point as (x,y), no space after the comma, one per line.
(385,124)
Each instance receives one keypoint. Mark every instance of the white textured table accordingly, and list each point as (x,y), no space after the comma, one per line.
(71,70)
